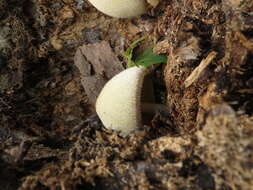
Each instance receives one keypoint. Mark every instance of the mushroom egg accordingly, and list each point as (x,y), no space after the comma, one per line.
(121,8)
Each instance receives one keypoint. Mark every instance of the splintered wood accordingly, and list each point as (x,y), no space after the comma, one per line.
(245,42)
(199,69)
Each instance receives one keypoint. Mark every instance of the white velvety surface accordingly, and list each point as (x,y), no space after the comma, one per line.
(121,8)
(118,105)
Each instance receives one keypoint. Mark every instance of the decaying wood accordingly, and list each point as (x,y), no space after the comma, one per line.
(245,42)
(97,63)
(198,70)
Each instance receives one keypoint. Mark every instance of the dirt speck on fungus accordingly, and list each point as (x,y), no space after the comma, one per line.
(50,136)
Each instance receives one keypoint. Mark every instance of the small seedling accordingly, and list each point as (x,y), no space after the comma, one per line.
(146,59)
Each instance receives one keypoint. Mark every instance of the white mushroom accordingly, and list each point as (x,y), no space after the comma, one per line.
(119,103)
(121,8)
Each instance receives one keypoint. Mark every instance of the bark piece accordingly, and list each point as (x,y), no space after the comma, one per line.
(97,64)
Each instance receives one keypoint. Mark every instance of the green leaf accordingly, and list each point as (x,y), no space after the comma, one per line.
(129,52)
(146,59)
(149,58)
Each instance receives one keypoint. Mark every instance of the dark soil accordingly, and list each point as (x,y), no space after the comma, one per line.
(50,136)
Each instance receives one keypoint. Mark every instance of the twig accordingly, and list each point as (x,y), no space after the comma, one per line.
(199,69)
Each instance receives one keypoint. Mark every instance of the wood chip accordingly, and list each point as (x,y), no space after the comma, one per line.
(97,64)
(153,3)
(245,42)
(199,69)
(249,91)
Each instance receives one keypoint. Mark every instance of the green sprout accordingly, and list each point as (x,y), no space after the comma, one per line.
(146,59)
